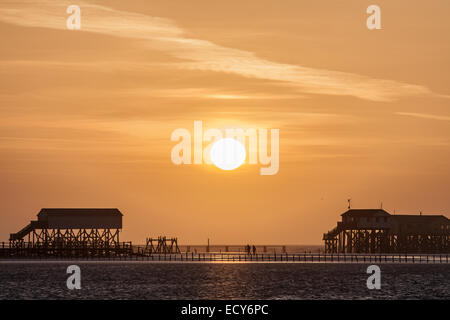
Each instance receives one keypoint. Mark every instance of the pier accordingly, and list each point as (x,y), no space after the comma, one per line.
(69,232)
(363,236)
(236,257)
(377,231)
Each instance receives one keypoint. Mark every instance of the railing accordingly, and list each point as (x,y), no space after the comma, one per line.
(57,249)
(297,258)
(230,257)
(66,244)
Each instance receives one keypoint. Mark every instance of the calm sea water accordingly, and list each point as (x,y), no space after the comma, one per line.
(143,280)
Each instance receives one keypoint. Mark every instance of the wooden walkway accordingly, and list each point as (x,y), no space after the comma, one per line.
(299,258)
(229,257)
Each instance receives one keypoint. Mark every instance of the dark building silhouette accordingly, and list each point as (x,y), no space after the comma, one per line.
(377,231)
(71,232)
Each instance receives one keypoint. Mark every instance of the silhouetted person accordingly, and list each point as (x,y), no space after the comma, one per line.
(254,250)
(248,249)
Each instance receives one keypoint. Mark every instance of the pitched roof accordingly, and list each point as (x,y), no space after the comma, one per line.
(365,212)
(80,211)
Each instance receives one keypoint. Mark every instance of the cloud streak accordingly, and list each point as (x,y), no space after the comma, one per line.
(164,35)
(424,116)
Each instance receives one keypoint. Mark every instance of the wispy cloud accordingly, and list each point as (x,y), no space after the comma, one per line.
(204,93)
(164,35)
(424,116)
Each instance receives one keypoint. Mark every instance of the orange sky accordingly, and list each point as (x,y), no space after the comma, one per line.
(86,116)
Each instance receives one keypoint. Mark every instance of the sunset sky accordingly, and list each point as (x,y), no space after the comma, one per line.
(86,115)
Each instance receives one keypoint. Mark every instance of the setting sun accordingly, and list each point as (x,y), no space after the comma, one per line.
(227,154)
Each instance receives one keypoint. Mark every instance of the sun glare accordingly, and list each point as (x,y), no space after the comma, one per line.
(227,154)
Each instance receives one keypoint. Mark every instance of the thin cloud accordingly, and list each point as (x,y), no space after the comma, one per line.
(424,116)
(164,35)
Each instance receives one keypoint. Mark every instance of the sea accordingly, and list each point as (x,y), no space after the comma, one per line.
(247,281)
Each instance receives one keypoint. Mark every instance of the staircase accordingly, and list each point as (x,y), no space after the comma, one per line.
(25,231)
